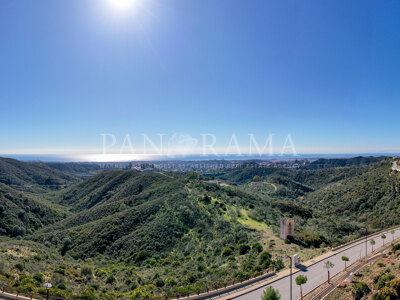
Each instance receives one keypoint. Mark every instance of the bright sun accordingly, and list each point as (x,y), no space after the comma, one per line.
(122,4)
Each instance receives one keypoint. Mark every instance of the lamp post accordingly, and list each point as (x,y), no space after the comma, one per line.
(366,242)
(291,265)
(47,285)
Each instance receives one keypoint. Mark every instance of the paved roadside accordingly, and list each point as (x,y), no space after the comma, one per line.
(313,269)
(340,278)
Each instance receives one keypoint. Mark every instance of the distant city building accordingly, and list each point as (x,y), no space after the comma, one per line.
(287,228)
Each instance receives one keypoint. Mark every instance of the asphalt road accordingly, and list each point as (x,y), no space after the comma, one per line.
(316,273)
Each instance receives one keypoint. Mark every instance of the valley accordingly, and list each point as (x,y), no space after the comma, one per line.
(131,234)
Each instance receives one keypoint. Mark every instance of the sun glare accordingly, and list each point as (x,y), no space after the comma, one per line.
(123,4)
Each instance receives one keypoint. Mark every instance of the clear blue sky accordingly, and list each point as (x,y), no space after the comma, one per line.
(326,72)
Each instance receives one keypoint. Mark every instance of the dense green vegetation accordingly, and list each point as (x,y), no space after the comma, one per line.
(22,213)
(77,169)
(134,234)
(323,163)
(32,176)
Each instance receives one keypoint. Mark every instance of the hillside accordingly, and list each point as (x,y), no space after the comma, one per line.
(76,169)
(323,163)
(22,213)
(121,213)
(372,197)
(150,233)
(32,176)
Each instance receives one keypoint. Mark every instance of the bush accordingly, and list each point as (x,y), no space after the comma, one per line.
(395,284)
(228,251)
(62,286)
(66,246)
(86,271)
(38,277)
(395,247)
(386,293)
(20,267)
(257,248)
(160,282)
(265,259)
(243,249)
(170,281)
(271,294)
(110,279)
(278,265)
(359,290)
(3,267)
(140,256)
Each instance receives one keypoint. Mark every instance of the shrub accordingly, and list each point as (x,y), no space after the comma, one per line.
(228,251)
(86,271)
(395,284)
(160,282)
(386,293)
(62,286)
(271,294)
(66,246)
(265,259)
(395,247)
(278,265)
(170,281)
(38,277)
(60,270)
(257,248)
(110,279)
(20,267)
(243,249)
(3,266)
(140,256)
(359,290)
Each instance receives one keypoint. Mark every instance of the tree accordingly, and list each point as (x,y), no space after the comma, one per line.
(383,236)
(328,265)
(271,294)
(372,242)
(66,246)
(300,280)
(345,259)
(392,232)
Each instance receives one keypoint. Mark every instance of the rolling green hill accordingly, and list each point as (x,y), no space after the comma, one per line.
(22,213)
(32,176)
(132,234)
(372,197)
(120,213)
(76,169)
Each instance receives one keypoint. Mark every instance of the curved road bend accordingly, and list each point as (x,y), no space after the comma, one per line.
(316,273)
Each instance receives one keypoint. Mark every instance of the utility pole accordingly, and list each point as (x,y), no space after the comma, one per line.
(366,242)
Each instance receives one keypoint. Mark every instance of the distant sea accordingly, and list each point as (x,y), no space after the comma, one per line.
(61,158)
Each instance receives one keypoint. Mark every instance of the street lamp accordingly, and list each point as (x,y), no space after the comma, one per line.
(366,242)
(291,263)
(47,285)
